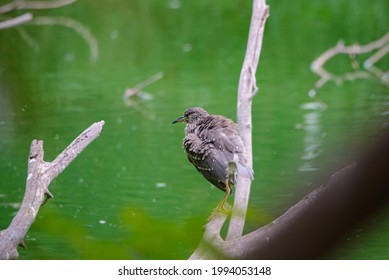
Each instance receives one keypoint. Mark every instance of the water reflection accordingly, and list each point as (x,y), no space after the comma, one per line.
(313,138)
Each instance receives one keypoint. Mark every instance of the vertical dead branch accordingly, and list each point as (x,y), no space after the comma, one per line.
(40,175)
(212,245)
(246,91)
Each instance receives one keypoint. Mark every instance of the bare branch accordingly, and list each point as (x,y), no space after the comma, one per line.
(8,7)
(40,175)
(34,5)
(74,25)
(137,90)
(74,149)
(246,91)
(212,245)
(257,240)
(16,21)
(382,47)
(41,5)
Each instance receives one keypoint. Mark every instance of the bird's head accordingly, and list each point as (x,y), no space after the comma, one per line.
(192,116)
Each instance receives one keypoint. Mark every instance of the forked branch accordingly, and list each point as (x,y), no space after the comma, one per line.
(40,175)
(379,49)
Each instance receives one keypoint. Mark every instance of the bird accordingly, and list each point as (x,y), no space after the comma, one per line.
(213,145)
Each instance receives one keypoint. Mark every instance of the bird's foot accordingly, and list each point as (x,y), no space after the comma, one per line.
(221,209)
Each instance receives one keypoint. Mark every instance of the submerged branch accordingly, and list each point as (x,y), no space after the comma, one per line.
(381,46)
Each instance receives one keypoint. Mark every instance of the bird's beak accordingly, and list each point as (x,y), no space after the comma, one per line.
(180,119)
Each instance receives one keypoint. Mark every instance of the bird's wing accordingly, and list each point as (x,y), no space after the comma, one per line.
(210,162)
(224,135)
(213,168)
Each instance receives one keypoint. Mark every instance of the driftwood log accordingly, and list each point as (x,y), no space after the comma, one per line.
(40,175)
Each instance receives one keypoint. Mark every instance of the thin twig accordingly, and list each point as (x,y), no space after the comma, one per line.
(16,21)
(136,90)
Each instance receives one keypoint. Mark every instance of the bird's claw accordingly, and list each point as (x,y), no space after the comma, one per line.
(224,209)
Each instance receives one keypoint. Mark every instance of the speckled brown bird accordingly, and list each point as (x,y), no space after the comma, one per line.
(214,147)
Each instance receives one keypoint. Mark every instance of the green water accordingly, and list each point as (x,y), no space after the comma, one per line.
(132,193)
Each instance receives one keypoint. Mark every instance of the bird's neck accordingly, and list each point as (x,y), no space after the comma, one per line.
(190,128)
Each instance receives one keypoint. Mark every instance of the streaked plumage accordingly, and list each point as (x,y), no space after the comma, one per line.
(214,147)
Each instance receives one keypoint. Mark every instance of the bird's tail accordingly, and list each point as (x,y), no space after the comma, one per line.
(245,171)
(241,170)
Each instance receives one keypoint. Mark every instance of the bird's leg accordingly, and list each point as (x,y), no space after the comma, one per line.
(221,207)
